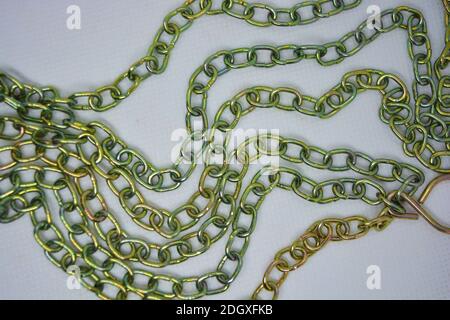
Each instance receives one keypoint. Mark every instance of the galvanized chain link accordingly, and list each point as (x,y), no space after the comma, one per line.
(67,159)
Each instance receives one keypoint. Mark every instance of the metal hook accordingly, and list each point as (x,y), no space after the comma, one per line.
(418,204)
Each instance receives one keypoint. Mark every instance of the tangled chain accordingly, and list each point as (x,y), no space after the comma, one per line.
(67,159)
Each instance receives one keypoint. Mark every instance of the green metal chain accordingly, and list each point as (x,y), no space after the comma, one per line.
(68,159)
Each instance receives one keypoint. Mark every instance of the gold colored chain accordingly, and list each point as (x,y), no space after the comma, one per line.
(50,158)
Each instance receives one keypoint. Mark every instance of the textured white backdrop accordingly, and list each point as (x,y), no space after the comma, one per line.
(37,47)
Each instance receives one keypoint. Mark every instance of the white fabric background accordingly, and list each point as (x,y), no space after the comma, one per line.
(37,47)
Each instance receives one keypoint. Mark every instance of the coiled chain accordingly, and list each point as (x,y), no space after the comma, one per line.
(67,159)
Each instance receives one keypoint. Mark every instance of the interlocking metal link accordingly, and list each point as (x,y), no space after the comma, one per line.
(51,159)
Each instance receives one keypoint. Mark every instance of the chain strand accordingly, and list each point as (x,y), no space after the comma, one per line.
(68,159)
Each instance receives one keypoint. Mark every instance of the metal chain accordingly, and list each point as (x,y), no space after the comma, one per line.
(69,160)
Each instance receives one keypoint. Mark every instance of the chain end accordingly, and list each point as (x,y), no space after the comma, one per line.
(417,205)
